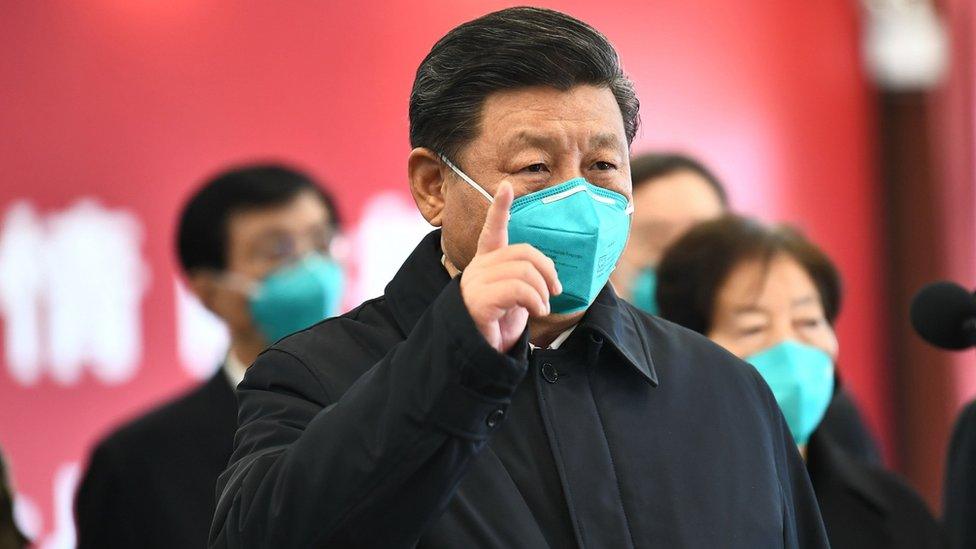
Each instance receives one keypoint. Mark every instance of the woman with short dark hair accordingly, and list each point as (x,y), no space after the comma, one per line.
(770,296)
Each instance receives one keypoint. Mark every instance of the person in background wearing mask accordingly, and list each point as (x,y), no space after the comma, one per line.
(771,297)
(499,394)
(253,244)
(672,193)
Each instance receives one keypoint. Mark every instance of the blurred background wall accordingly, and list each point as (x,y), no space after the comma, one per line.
(113,110)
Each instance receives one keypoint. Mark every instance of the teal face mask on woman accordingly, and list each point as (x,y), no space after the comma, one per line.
(296,296)
(581,227)
(802,380)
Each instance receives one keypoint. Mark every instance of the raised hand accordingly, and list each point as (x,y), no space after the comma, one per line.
(504,285)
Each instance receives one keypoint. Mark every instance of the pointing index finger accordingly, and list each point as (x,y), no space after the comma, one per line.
(494,233)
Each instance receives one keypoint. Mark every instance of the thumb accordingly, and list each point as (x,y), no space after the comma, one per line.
(494,233)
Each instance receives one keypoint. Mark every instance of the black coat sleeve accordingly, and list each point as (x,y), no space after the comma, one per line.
(960,481)
(372,467)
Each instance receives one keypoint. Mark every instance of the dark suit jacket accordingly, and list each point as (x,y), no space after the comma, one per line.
(960,481)
(846,428)
(864,506)
(151,482)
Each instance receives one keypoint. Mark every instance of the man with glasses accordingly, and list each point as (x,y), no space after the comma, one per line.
(253,244)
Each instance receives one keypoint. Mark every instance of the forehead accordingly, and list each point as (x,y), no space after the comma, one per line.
(513,117)
(304,210)
(678,196)
(773,285)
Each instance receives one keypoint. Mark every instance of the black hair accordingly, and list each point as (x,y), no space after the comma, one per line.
(647,167)
(509,49)
(695,268)
(201,239)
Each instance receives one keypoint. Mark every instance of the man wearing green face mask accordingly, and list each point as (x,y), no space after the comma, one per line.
(771,297)
(499,393)
(673,192)
(253,244)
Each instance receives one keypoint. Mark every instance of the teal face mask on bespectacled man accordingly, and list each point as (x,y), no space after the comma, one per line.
(643,291)
(581,227)
(802,380)
(296,296)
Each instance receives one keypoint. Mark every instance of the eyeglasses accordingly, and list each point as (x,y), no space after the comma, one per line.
(282,247)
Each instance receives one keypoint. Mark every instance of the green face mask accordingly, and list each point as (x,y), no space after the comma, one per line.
(296,296)
(802,380)
(643,290)
(581,227)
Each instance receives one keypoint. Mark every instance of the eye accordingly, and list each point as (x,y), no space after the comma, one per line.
(536,168)
(604,166)
(750,331)
(810,323)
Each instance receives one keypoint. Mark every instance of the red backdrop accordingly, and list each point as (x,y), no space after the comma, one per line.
(131,103)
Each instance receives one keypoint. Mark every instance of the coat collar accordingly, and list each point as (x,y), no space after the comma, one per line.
(422,277)
(619,324)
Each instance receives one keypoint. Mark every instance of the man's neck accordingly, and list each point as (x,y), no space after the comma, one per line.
(247,349)
(452,271)
(543,331)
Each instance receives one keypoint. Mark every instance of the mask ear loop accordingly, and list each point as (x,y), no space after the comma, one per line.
(467,179)
(248,286)
(242,284)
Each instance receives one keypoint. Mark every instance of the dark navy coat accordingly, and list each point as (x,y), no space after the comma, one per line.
(151,482)
(397,425)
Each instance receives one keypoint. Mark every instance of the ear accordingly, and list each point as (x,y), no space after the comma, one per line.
(427,174)
(833,346)
(204,286)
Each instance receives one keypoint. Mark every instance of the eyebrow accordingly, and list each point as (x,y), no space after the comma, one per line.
(278,232)
(805,300)
(605,141)
(598,141)
(799,302)
(748,309)
(524,138)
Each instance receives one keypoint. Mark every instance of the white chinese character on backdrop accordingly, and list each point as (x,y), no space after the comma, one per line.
(21,240)
(71,288)
(61,534)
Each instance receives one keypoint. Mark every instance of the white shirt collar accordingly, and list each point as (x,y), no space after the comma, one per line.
(560,339)
(234,369)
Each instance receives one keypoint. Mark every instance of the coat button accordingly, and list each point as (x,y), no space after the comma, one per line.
(494,418)
(549,373)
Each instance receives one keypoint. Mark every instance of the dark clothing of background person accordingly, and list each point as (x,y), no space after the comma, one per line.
(845,425)
(397,425)
(960,481)
(10,536)
(151,482)
(864,506)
